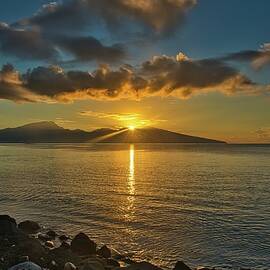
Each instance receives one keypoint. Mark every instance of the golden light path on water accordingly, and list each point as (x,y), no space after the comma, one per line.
(131,184)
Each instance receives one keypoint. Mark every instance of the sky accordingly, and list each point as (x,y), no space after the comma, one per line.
(198,67)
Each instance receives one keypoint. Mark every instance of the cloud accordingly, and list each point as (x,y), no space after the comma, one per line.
(158,15)
(258,59)
(11,86)
(30,44)
(263,133)
(160,76)
(26,44)
(89,49)
(123,118)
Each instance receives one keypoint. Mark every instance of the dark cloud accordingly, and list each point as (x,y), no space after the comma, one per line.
(30,44)
(11,86)
(159,15)
(160,76)
(65,16)
(258,59)
(89,48)
(26,44)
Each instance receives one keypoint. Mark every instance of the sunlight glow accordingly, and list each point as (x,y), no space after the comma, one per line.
(131,128)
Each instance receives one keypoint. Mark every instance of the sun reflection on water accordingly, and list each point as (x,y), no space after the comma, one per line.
(131,184)
(131,177)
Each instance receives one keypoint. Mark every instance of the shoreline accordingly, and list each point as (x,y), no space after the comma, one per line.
(25,246)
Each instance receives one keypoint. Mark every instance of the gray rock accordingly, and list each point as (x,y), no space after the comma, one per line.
(180,265)
(29,227)
(82,245)
(8,225)
(26,266)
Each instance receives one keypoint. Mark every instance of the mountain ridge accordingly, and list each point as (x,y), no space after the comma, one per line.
(50,132)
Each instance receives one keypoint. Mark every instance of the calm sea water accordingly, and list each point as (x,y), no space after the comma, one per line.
(205,204)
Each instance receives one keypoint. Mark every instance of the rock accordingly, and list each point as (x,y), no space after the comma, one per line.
(49,244)
(181,266)
(29,227)
(63,238)
(65,245)
(70,266)
(82,245)
(32,248)
(112,262)
(63,255)
(51,234)
(93,264)
(128,261)
(43,237)
(26,266)
(143,266)
(8,225)
(203,268)
(104,252)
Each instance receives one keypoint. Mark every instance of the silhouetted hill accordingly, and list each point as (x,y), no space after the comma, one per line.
(48,132)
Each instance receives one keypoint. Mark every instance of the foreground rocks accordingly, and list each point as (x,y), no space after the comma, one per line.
(23,247)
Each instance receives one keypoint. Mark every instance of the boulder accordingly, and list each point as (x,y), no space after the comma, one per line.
(26,266)
(180,265)
(32,248)
(93,264)
(143,266)
(29,227)
(8,225)
(104,252)
(82,245)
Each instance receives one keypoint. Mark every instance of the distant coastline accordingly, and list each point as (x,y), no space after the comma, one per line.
(49,132)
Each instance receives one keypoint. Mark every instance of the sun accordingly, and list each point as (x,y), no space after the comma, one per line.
(132,128)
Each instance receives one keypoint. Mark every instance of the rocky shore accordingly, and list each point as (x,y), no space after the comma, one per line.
(25,246)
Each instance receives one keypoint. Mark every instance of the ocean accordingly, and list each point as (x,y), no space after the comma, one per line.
(204,204)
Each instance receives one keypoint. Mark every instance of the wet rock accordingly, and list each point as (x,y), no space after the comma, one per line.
(181,266)
(63,238)
(70,266)
(82,245)
(143,266)
(26,266)
(8,225)
(29,227)
(49,244)
(93,264)
(104,252)
(52,234)
(203,268)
